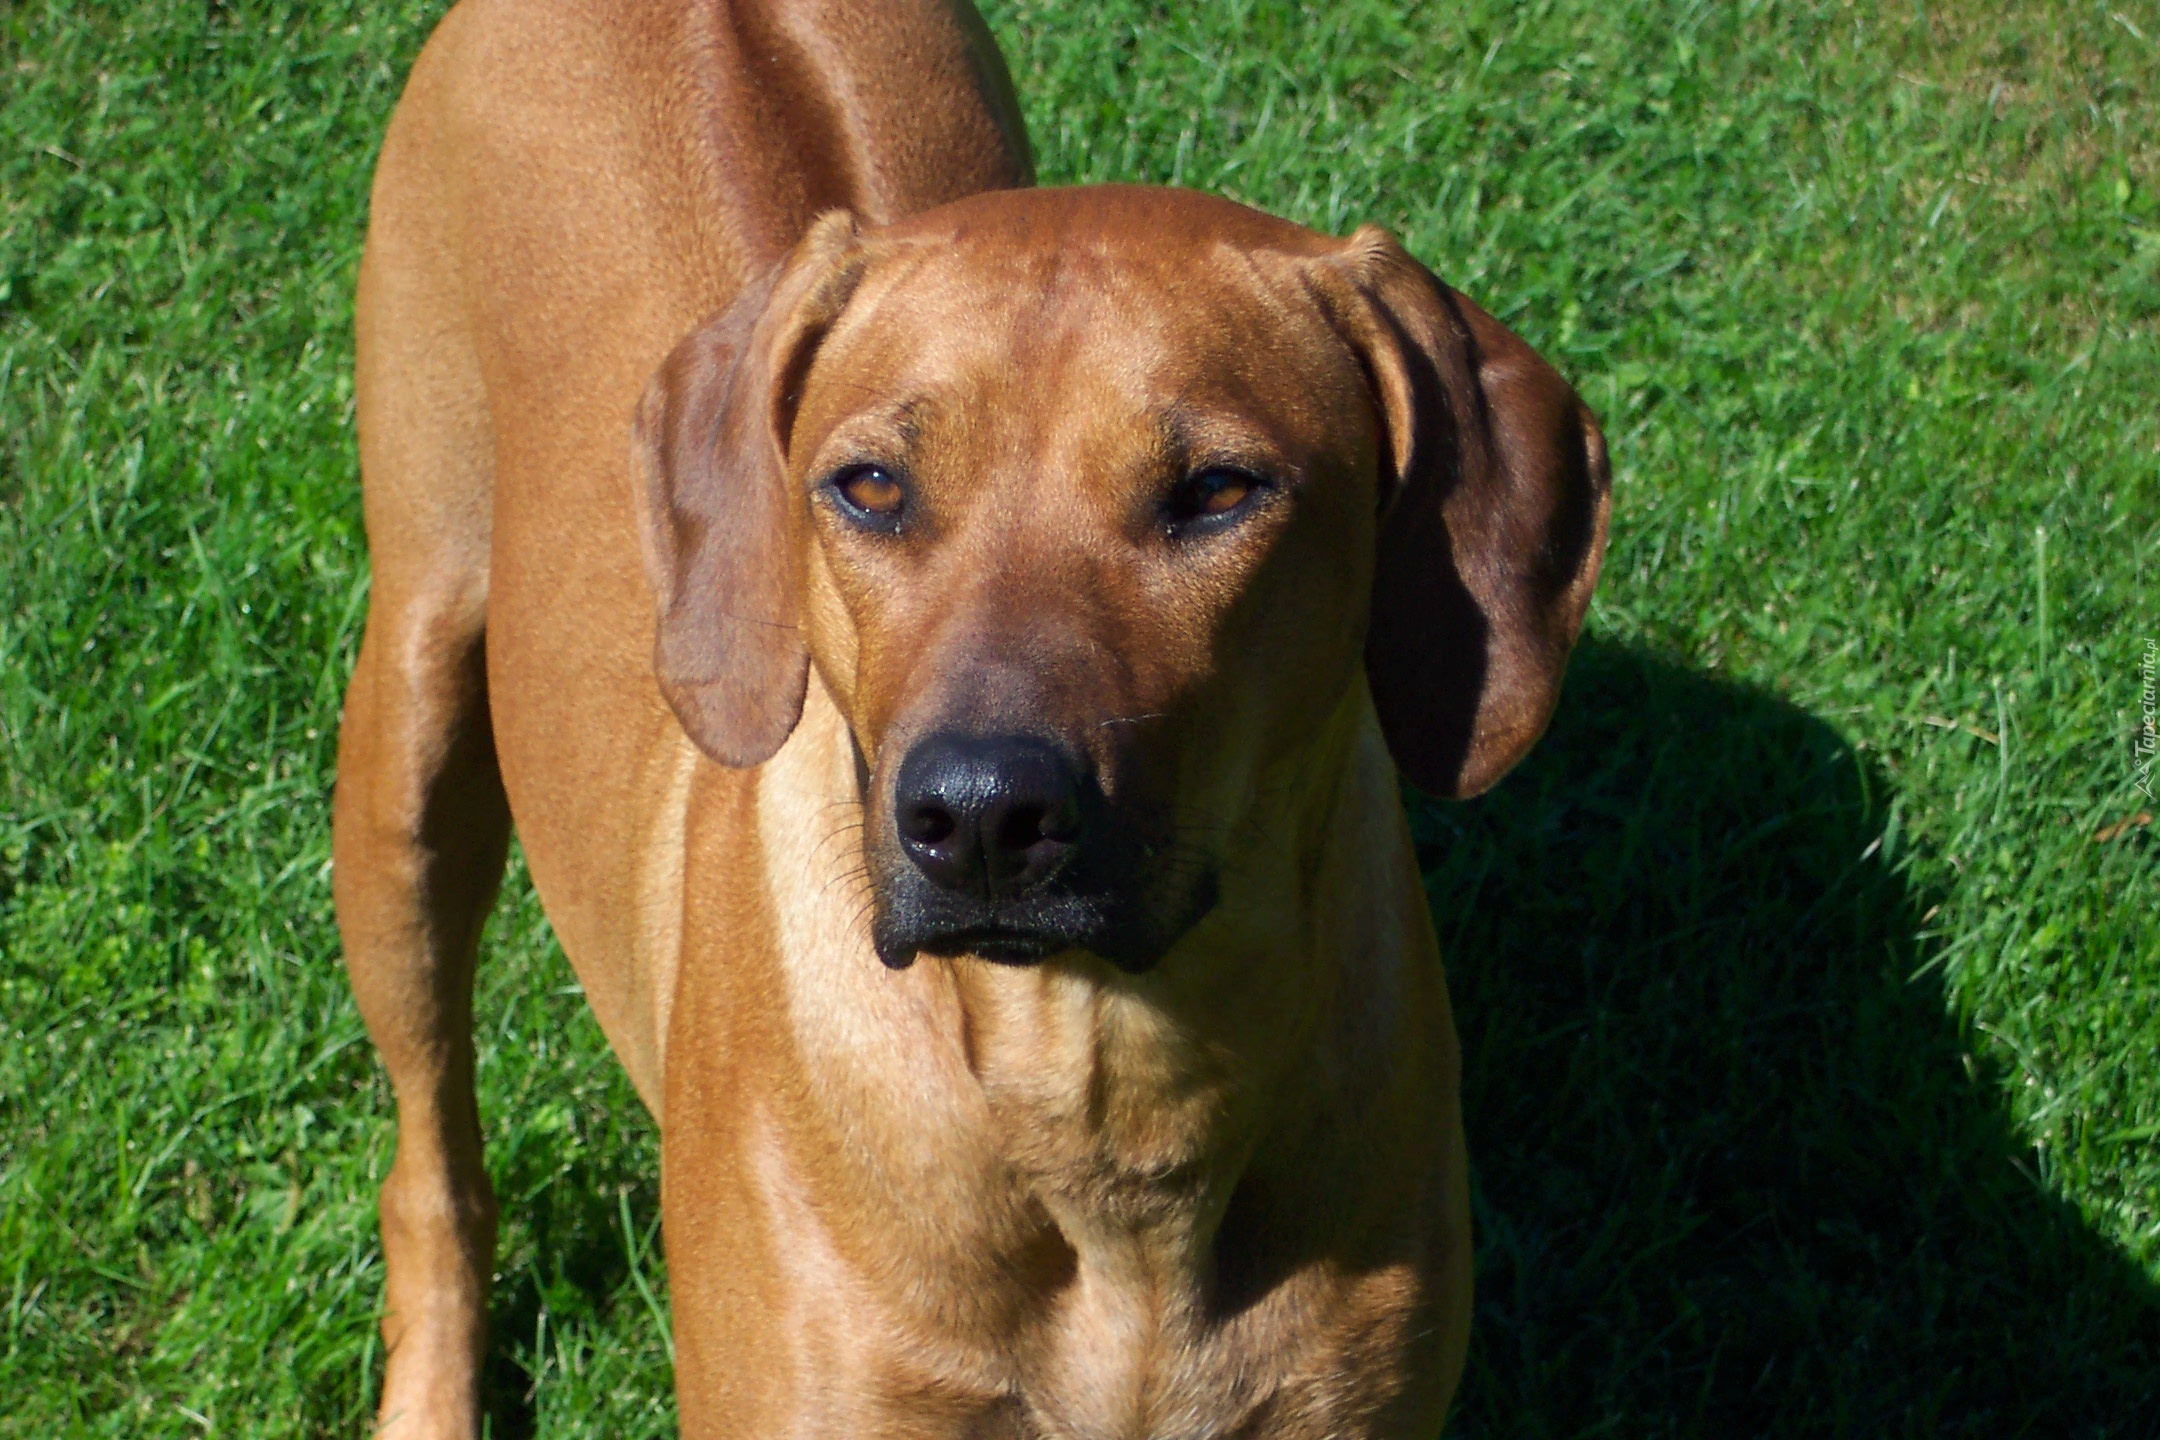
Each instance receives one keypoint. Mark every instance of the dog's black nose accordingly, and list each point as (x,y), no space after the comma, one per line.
(987,816)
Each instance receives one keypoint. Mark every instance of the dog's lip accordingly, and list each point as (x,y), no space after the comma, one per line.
(910,919)
(1000,944)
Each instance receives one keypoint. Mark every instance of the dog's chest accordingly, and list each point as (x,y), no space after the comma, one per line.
(1133,1350)
(1120,1141)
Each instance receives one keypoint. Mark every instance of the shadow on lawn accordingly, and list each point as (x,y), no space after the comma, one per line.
(577,1268)
(1738,1173)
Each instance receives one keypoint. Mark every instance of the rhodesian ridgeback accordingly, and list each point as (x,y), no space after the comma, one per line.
(947,649)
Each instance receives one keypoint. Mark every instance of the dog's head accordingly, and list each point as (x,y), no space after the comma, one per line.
(1088,505)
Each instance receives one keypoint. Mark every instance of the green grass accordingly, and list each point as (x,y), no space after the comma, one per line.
(1811,1032)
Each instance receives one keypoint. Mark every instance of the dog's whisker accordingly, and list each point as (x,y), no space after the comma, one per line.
(840,834)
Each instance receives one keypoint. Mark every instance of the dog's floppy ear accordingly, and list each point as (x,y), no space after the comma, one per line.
(714,513)
(1495,496)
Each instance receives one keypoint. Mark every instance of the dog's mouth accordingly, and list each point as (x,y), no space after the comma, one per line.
(999,944)
(1117,924)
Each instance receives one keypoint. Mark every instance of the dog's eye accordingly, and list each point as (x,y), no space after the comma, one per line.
(868,495)
(1210,495)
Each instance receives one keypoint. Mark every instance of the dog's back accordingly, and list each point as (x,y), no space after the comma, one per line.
(566,189)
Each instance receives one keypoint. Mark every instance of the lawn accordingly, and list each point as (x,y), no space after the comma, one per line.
(1808,972)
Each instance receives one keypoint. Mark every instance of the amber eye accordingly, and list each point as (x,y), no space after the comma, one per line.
(868,494)
(1210,495)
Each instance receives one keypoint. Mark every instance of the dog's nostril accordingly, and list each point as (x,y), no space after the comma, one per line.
(928,825)
(1022,826)
(1060,822)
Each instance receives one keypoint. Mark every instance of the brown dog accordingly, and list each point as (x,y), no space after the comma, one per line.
(1051,575)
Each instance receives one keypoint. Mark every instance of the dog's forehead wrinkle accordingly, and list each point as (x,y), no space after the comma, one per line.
(890,270)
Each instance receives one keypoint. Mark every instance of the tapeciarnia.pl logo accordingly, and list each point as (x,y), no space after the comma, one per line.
(2148,739)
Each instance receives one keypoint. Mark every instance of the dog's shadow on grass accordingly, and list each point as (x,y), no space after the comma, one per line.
(1738,1171)
(573,1268)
